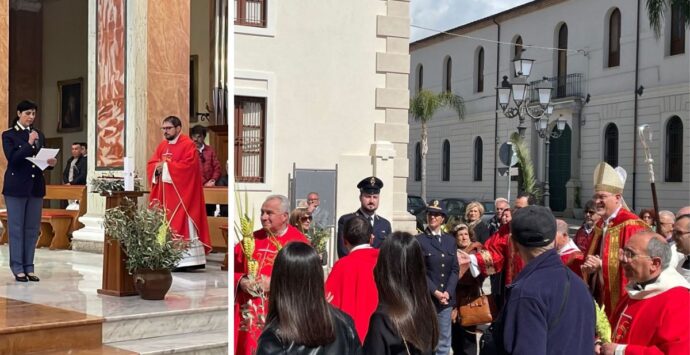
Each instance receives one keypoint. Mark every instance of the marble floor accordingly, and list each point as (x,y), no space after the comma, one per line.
(197,301)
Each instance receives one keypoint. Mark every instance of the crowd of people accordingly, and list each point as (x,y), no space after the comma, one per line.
(395,293)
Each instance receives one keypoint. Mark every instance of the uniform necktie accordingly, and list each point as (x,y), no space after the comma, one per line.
(371,220)
(686,264)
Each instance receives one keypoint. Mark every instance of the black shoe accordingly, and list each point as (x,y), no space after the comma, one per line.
(21,278)
(33,278)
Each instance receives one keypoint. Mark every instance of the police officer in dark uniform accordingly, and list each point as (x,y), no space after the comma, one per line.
(442,270)
(369,189)
(23,190)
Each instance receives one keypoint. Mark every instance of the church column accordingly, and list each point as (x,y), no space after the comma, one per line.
(139,57)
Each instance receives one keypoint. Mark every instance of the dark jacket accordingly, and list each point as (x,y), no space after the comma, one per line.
(536,320)
(22,178)
(79,177)
(382,228)
(383,339)
(481,232)
(441,265)
(346,340)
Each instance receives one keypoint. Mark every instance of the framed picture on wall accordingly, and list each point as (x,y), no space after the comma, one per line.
(70,105)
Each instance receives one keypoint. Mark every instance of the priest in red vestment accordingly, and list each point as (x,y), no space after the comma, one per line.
(653,316)
(498,255)
(617,224)
(570,254)
(276,232)
(583,236)
(175,178)
(351,281)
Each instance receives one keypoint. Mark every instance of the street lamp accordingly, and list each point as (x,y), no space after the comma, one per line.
(547,133)
(519,90)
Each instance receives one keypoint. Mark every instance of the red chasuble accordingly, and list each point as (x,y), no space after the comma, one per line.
(265,252)
(574,261)
(656,323)
(619,231)
(351,282)
(499,254)
(184,197)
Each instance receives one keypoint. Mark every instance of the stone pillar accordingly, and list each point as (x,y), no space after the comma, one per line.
(391,138)
(140,81)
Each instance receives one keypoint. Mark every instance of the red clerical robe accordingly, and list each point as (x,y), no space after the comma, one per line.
(572,257)
(351,283)
(265,252)
(655,320)
(619,231)
(498,255)
(184,197)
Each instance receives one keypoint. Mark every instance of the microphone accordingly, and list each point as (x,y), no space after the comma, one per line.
(36,142)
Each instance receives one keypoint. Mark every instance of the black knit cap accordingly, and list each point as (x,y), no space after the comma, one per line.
(533,226)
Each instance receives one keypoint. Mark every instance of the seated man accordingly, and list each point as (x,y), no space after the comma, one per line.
(652,316)
(351,282)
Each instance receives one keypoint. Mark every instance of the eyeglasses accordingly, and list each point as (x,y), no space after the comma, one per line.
(679,234)
(434,214)
(167,128)
(590,212)
(306,218)
(627,255)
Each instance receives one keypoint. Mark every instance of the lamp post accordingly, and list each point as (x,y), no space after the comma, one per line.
(547,133)
(519,90)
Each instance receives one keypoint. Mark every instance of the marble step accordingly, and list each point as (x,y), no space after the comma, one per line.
(206,343)
(161,324)
(96,350)
(28,328)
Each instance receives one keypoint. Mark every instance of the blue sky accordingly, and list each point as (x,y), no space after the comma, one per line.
(447,14)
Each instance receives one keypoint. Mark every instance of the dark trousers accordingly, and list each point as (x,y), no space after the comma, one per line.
(23,224)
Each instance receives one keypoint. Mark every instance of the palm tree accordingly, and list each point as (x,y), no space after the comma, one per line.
(655,12)
(422,108)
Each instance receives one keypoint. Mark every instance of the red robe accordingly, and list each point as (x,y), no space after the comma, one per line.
(185,196)
(265,252)
(351,282)
(657,323)
(572,257)
(619,231)
(498,255)
(583,239)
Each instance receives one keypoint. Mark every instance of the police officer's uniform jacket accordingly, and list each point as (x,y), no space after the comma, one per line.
(22,177)
(441,262)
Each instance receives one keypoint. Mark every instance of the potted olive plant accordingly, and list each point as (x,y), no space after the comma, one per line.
(152,249)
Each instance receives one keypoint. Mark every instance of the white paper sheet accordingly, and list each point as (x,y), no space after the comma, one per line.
(41,159)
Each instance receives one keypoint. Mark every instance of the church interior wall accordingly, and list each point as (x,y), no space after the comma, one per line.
(200,46)
(64,58)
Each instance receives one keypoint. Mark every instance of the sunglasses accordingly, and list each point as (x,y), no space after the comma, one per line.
(306,218)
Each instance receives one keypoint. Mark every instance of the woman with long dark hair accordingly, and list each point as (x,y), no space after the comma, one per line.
(300,320)
(405,322)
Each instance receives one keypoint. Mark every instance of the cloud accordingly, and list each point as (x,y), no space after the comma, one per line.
(446,14)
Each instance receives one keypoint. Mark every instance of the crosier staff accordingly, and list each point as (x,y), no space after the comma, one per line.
(645,135)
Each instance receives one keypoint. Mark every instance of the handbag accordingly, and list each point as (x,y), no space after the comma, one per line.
(480,310)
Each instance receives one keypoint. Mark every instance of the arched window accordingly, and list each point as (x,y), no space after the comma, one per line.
(562,60)
(448,74)
(446,161)
(674,150)
(611,145)
(478,159)
(418,162)
(615,38)
(677,30)
(480,70)
(420,77)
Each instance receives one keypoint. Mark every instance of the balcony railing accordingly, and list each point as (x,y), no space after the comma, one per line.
(561,86)
(250,13)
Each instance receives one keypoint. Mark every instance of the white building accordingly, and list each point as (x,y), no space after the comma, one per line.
(595,83)
(322,85)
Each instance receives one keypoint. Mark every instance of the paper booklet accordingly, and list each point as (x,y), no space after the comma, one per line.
(41,159)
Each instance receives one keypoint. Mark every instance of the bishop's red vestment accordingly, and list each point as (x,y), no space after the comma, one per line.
(498,255)
(183,197)
(351,282)
(618,232)
(265,252)
(655,320)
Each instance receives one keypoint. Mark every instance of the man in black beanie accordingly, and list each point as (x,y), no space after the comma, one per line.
(548,309)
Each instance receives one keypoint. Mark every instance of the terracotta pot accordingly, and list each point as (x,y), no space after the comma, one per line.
(152,284)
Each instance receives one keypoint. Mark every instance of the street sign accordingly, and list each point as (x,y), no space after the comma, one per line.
(507,154)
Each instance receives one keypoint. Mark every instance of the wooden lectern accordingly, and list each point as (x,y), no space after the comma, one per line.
(116,280)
